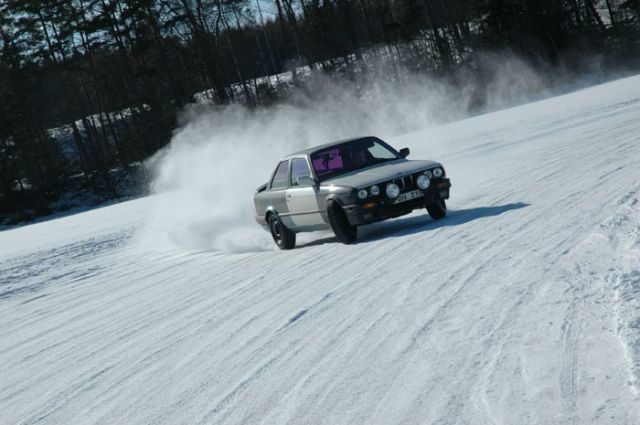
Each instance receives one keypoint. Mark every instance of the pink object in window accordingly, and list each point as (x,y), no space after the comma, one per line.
(322,166)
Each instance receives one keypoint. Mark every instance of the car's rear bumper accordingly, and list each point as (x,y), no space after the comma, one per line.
(378,210)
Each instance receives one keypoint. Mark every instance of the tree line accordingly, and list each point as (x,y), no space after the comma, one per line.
(90,88)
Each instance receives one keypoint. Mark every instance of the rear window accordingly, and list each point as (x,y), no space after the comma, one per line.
(280,178)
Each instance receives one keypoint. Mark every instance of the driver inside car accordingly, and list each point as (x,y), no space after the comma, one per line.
(359,158)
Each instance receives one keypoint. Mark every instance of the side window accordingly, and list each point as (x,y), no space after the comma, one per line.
(299,168)
(281,177)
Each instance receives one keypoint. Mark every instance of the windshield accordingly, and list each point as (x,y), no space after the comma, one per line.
(350,156)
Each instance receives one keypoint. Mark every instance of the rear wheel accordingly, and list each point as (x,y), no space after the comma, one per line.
(437,209)
(283,237)
(345,232)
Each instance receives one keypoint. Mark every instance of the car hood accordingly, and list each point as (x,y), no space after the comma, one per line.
(379,173)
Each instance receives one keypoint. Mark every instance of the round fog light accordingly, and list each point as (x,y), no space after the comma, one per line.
(392,190)
(362,194)
(423,182)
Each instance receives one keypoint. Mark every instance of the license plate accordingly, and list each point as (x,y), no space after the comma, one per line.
(408,196)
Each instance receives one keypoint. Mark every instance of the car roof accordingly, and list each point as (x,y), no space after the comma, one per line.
(313,149)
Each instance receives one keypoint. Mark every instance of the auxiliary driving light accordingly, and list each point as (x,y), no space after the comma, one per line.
(423,182)
(392,190)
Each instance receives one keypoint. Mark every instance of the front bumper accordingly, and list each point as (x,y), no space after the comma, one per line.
(370,211)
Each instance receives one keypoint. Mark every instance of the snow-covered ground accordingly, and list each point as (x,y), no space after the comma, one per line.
(521,307)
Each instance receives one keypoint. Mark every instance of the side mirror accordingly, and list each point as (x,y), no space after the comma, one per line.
(404,152)
(306,181)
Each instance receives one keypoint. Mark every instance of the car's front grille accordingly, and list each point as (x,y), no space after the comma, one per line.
(406,182)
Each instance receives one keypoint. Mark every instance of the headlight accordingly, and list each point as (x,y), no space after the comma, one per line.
(375,190)
(438,172)
(392,190)
(362,194)
(428,173)
(423,182)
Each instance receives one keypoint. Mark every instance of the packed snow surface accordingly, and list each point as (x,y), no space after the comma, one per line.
(521,307)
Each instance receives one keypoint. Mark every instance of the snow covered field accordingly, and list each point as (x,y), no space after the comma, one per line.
(521,307)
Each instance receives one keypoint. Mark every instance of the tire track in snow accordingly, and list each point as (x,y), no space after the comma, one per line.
(467,276)
(570,338)
(568,372)
(623,232)
(478,272)
(498,341)
(261,344)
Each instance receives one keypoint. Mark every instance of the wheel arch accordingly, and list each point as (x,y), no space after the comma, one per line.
(334,197)
(269,211)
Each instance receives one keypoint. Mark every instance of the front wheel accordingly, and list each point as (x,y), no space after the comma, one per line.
(437,209)
(283,237)
(345,232)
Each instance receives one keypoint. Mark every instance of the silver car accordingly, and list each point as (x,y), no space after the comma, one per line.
(346,184)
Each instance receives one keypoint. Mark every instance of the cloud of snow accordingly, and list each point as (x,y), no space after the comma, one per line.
(503,80)
(220,155)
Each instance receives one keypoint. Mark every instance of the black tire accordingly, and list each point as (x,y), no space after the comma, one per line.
(283,237)
(438,209)
(345,232)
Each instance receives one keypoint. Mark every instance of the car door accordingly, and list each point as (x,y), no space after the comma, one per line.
(276,195)
(302,201)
